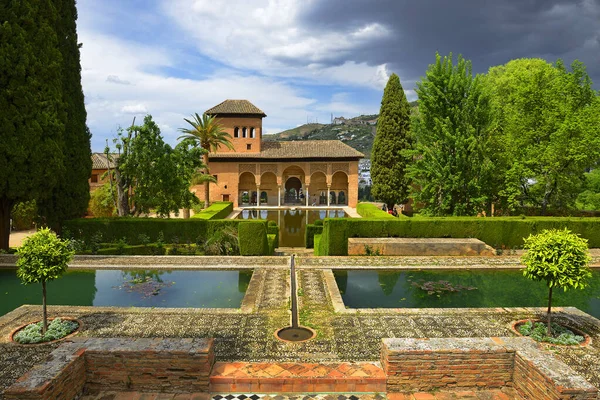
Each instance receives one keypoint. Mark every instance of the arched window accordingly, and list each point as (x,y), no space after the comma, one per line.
(332,197)
(342,198)
(252,133)
(244,132)
(263,197)
(236,132)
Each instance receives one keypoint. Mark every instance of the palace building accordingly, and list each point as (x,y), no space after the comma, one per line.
(269,173)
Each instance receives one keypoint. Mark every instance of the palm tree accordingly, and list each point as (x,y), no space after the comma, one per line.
(210,135)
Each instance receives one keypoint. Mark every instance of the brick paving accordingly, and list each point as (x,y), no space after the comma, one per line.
(249,337)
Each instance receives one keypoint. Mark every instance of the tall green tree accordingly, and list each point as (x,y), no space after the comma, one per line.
(207,132)
(388,158)
(152,176)
(70,197)
(31,105)
(548,120)
(452,168)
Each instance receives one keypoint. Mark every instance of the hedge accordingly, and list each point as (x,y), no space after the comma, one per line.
(498,232)
(272,240)
(252,236)
(367,210)
(317,240)
(217,210)
(311,231)
(273,229)
(113,229)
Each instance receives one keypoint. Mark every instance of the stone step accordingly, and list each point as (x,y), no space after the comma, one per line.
(301,396)
(348,377)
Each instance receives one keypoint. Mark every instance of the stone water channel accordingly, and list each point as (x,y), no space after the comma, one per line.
(247,333)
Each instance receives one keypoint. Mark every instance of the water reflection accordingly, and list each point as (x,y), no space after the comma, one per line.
(292,222)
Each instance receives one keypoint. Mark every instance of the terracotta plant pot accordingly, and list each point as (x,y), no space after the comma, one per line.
(514,326)
(17,330)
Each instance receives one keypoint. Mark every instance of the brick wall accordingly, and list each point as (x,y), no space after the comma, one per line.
(461,363)
(425,365)
(146,365)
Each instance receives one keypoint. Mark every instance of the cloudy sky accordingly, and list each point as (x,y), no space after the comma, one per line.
(302,60)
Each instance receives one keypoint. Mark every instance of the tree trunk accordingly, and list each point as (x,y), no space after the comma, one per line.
(5,209)
(122,200)
(207,183)
(549,311)
(186,213)
(44,313)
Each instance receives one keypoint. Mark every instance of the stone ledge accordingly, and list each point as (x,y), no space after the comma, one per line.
(420,247)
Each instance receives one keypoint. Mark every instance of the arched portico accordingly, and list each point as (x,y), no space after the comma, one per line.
(247,189)
(339,186)
(293,184)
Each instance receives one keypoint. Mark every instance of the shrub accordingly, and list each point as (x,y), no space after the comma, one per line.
(539,333)
(57,329)
(43,257)
(24,214)
(198,207)
(273,229)
(217,210)
(252,236)
(102,203)
(317,243)
(223,242)
(271,239)
(498,232)
(311,231)
(558,257)
(367,210)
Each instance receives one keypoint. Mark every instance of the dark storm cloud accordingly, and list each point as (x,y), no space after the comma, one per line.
(488,32)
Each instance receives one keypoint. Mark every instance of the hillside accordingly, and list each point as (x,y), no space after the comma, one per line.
(359,137)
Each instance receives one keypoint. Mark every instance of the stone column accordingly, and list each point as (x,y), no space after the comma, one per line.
(278,195)
(258,196)
(306,195)
(328,195)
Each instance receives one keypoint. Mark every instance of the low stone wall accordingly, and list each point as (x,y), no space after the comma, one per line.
(471,363)
(419,247)
(145,365)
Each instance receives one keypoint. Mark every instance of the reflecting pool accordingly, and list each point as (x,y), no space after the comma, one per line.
(292,223)
(131,288)
(454,289)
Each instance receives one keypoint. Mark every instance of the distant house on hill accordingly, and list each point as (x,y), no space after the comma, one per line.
(339,121)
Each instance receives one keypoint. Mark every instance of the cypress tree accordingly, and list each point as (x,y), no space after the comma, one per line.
(388,158)
(71,195)
(31,107)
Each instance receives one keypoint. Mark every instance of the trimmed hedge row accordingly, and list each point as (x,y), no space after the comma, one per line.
(317,240)
(309,234)
(367,210)
(252,237)
(273,229)
(217,210)
(173,230)
(498,232)
(272,240)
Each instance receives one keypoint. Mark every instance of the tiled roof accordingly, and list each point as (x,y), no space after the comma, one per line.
(298,149)
(99,161)
(235,107)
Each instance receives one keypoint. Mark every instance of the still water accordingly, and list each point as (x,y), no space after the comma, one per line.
(292,223)
(474,288)
(142,288)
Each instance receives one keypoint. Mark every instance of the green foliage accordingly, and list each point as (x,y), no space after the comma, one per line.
(217,210)
(317,244)
(498,232)
(452,169)
(311,231)
(370,252)
(57,329)
(273,229)
(366,210)
(558,257)
(589,198)
(252,236)
(389,160)
(207,132)
(539,333)
(223,242)
(32,109)
(24,215)
(547,122)
(102,202)
(112,229)
(43,257)
(70,197)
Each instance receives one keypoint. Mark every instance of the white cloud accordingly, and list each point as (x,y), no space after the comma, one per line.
(134,109)
(266,36)
(117,80)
